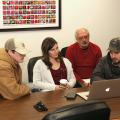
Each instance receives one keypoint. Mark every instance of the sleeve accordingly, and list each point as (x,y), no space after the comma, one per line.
(39,74)
(98,72)
(9,88)
(70,56)
(70,75)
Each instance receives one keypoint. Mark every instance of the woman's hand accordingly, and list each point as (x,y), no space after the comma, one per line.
(59,87)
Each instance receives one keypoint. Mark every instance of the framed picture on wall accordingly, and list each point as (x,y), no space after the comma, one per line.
(18,15)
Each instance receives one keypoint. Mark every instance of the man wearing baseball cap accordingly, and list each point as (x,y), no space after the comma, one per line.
(109,66)
(11,55)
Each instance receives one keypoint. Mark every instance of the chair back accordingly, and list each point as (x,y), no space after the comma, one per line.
(30,67)
(89,110)
(63,51)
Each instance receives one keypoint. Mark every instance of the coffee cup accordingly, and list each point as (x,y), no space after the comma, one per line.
(63,82)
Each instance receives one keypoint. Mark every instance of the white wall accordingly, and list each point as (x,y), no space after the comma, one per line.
(100,17)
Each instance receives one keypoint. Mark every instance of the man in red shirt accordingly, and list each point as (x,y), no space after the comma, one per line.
(84,56)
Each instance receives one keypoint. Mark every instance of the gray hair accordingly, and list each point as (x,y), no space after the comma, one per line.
(81,30)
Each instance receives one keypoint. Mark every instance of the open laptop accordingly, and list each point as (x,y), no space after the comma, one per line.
(102,89)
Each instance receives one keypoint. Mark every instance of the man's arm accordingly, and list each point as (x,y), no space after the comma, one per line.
(9,88)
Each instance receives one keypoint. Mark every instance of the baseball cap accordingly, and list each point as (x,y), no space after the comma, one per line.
(114,45)
(12,44)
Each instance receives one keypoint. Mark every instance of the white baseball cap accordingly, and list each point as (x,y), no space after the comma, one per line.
(12,44)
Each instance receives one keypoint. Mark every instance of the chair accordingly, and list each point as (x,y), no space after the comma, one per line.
(30,66)
(89,110)
(63,51)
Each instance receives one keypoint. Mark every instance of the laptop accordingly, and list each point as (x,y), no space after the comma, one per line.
(102,89)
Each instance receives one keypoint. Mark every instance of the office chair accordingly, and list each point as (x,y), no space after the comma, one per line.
(89,110)
(63,51)
(30,66)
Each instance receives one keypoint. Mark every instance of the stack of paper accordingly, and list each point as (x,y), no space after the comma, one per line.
(84,95)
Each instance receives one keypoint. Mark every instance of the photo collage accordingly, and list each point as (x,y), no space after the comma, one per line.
(28,12)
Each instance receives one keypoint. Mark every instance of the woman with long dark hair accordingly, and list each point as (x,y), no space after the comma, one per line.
(52,67)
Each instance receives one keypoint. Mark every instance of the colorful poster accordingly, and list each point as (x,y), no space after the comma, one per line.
(30,14)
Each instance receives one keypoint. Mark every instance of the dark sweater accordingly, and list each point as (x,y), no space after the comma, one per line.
(105,70)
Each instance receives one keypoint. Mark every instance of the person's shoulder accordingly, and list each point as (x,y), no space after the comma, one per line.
(2,51)
(39,62)
(95,46)
(5,64)
(65,59)
(73,45)
(67,62)
(103,59)
(40,65)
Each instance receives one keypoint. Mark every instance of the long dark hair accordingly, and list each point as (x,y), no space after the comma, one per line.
(47,44)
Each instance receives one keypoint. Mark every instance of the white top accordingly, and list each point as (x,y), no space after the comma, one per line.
(43,79)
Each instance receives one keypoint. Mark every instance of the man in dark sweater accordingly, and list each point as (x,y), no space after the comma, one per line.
(109,66)
(84,55)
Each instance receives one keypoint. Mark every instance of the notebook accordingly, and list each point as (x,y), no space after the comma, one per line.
(102,89)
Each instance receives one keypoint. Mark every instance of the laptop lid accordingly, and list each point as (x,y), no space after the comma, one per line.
(103,89)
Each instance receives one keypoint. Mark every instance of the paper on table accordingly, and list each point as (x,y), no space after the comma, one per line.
(84,95)
(87,80)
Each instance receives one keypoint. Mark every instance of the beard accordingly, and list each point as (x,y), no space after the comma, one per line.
(115,62)
(84,45)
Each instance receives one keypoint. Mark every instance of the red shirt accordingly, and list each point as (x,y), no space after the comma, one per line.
(61,73)
(83,61)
